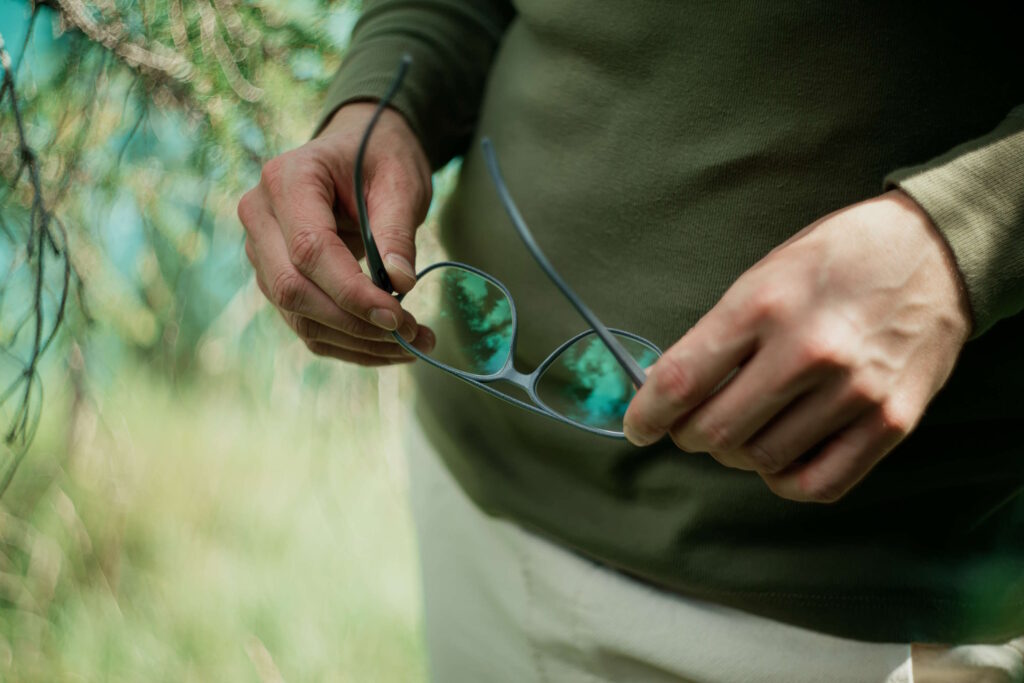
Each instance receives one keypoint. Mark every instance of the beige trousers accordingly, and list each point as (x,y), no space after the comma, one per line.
(502,605)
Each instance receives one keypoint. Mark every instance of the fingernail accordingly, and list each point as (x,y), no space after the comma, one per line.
(381,317)
(633,437)
(401,265)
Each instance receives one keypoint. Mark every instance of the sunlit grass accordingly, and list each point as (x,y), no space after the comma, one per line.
(201,535)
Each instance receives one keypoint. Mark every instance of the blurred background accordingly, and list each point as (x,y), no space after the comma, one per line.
(186,493)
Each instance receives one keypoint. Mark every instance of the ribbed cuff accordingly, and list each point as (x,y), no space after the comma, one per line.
(975,196)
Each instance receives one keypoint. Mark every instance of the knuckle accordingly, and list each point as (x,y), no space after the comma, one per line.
(359,329)
(246,209)
(824,350)
(306,247)
(679,439)
(287,290)
(896,418)
(308,329)
(861,391)
(673,380)
(395,234)
(272,175)
(717,437)
(770,303)
(765,459)
(352,326)
(821,490)
(723,460)
(348,287)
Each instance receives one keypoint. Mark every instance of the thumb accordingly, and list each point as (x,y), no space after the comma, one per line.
(397,203)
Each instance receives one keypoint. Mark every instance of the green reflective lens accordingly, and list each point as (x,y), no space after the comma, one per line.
(471,318)
(586,384)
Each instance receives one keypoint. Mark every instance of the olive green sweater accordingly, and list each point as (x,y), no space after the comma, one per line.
(658,149)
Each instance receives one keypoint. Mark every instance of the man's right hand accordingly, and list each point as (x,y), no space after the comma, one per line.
(302,236)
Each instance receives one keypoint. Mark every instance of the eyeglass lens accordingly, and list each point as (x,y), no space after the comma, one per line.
(473,322)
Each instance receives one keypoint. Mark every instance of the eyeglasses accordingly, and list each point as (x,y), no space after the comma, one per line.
(587,382)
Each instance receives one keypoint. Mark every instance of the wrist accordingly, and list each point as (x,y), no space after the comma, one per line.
(914,214)
(348,116)
(392,132)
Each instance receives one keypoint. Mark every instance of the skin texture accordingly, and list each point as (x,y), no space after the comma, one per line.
(810,369)
(302,236)
(827,351)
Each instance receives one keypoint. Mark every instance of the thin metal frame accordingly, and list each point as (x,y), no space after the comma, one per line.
(508,373)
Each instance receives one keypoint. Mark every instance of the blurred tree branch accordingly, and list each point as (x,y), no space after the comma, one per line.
(44,231)
(125,142)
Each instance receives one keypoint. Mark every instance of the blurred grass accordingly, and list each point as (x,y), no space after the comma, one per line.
(201,534)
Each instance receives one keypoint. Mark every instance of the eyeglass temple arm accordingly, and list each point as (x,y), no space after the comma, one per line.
(632,368)
(376,264)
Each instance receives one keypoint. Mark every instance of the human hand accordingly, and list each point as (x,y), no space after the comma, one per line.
(303,240)
(839,338)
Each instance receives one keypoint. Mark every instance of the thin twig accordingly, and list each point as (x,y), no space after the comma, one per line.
(41,234)
(28,36)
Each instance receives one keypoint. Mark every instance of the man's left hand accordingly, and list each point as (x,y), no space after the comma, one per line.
(833,345)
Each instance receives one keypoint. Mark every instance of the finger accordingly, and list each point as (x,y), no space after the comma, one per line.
(312,331)
(291,291)
(396,204)
(320,310)
(690,370)
(762,388)
(302,203)
(807,422)
(321,349)
(349,233)
(843,462)
(250,252)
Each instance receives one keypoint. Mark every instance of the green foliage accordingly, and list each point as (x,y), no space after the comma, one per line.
(151,120)
(148,120)
(201,534)
(204,500)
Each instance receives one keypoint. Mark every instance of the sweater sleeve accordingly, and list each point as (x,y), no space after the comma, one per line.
(975,196)
(452,44)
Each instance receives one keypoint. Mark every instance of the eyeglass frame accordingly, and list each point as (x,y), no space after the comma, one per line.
(508,373)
